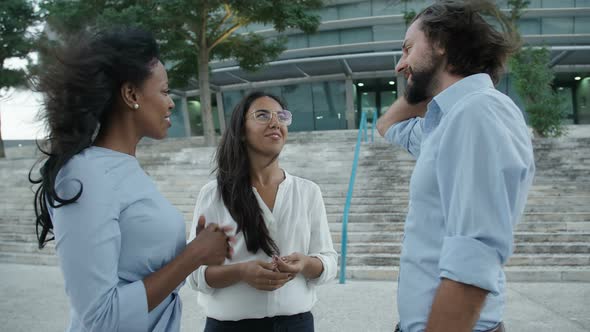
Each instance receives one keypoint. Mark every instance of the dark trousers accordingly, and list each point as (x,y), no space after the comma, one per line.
(497,328)
(296,323)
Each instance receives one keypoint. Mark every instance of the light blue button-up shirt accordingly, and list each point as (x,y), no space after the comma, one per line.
(117,233)
(474,168)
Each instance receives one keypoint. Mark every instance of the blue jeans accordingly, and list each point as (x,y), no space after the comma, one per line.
(295,323)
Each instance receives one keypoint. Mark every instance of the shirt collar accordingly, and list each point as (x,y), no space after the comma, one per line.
(451,95)
(446,100)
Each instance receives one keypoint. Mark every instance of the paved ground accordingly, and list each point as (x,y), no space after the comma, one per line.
(33,299)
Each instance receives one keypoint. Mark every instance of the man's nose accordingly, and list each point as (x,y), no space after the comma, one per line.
(401,64)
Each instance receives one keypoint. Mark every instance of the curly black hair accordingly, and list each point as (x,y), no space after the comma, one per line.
(80,86)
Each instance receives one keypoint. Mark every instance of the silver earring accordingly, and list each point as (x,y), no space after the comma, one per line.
(136,106)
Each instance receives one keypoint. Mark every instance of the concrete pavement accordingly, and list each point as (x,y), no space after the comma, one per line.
(33,299)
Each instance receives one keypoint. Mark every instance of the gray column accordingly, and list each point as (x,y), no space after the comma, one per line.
(350,114)
(220,111)
(185,116)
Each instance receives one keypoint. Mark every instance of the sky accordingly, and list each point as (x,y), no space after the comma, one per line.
(18,110)
(18,113)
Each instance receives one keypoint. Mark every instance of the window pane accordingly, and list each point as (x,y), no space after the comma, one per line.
(360,35)
(582,25)
(582,3)
(558,25)
(297,41)
(558,3)
(329,104)
(529,26)
(387,7)
(359,9)
(324,38)
(230,100)
(299,101)
(389,32)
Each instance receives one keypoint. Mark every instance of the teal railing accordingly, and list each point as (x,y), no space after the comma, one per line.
(362,136)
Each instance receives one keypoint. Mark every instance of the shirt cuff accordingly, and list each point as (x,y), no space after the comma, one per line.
(133,307)
(469,261)
(328,273)
(198,282)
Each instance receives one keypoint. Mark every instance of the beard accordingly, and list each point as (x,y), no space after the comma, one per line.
(423,81)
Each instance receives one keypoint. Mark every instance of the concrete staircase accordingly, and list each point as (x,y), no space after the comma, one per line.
(552,242)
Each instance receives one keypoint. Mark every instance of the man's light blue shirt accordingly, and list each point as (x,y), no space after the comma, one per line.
(474,168)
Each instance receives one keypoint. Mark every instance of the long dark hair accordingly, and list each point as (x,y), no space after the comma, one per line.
(472,45)
(80,88)
(233,179)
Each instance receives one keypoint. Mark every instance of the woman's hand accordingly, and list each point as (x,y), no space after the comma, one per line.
(263,276)
(294,263)
(309,267)
(211,246)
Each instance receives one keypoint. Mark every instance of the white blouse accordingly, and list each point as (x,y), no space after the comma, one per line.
(298,223)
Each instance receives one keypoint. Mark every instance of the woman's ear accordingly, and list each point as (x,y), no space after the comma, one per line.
(129,95)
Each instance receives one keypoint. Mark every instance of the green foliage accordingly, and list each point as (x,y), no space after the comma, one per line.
(16,16)
(516,7)
(409,16)
(532,79)
(181,26)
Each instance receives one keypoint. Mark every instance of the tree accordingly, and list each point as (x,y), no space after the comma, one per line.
(16,16)
(533,79)
(192,33)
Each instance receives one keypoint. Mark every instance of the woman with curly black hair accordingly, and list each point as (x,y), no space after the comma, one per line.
(121,244)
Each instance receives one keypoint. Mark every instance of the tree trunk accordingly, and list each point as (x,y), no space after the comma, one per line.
(203,64)
(205,94)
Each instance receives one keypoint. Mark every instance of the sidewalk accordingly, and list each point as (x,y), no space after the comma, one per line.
(33,299)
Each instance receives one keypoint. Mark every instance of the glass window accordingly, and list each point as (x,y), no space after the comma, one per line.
(299,101)
(387,7)
(583,101)
(328,13)
(582,3)
(297,41)
(529,26)
(558,3)
(582,24)
(329,105)
(389,32)
(230,100)
(535,4)
(359,9)
(566,95)
(417,5)
(324,38)
(359,35)
(562,25)
(177,120)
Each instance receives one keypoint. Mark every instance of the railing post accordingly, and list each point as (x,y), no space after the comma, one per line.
(344,234)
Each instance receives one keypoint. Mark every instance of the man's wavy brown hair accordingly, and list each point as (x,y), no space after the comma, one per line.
(471,43)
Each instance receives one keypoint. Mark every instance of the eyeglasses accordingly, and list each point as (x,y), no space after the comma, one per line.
(265,116)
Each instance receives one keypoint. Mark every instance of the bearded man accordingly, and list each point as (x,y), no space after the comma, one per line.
(474,168)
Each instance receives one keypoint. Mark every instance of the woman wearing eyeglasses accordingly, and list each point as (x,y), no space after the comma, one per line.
(282,248)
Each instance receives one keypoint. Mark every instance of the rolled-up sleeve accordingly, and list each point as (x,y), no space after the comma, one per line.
(320,244)
(88,244)
(483,183)
(407,134)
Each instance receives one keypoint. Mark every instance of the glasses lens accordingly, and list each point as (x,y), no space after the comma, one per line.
(262,115)
(284,116)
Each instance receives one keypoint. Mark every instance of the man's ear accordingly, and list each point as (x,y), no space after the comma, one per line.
(129,95)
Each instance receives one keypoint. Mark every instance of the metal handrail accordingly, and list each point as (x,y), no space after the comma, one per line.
(362,136)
